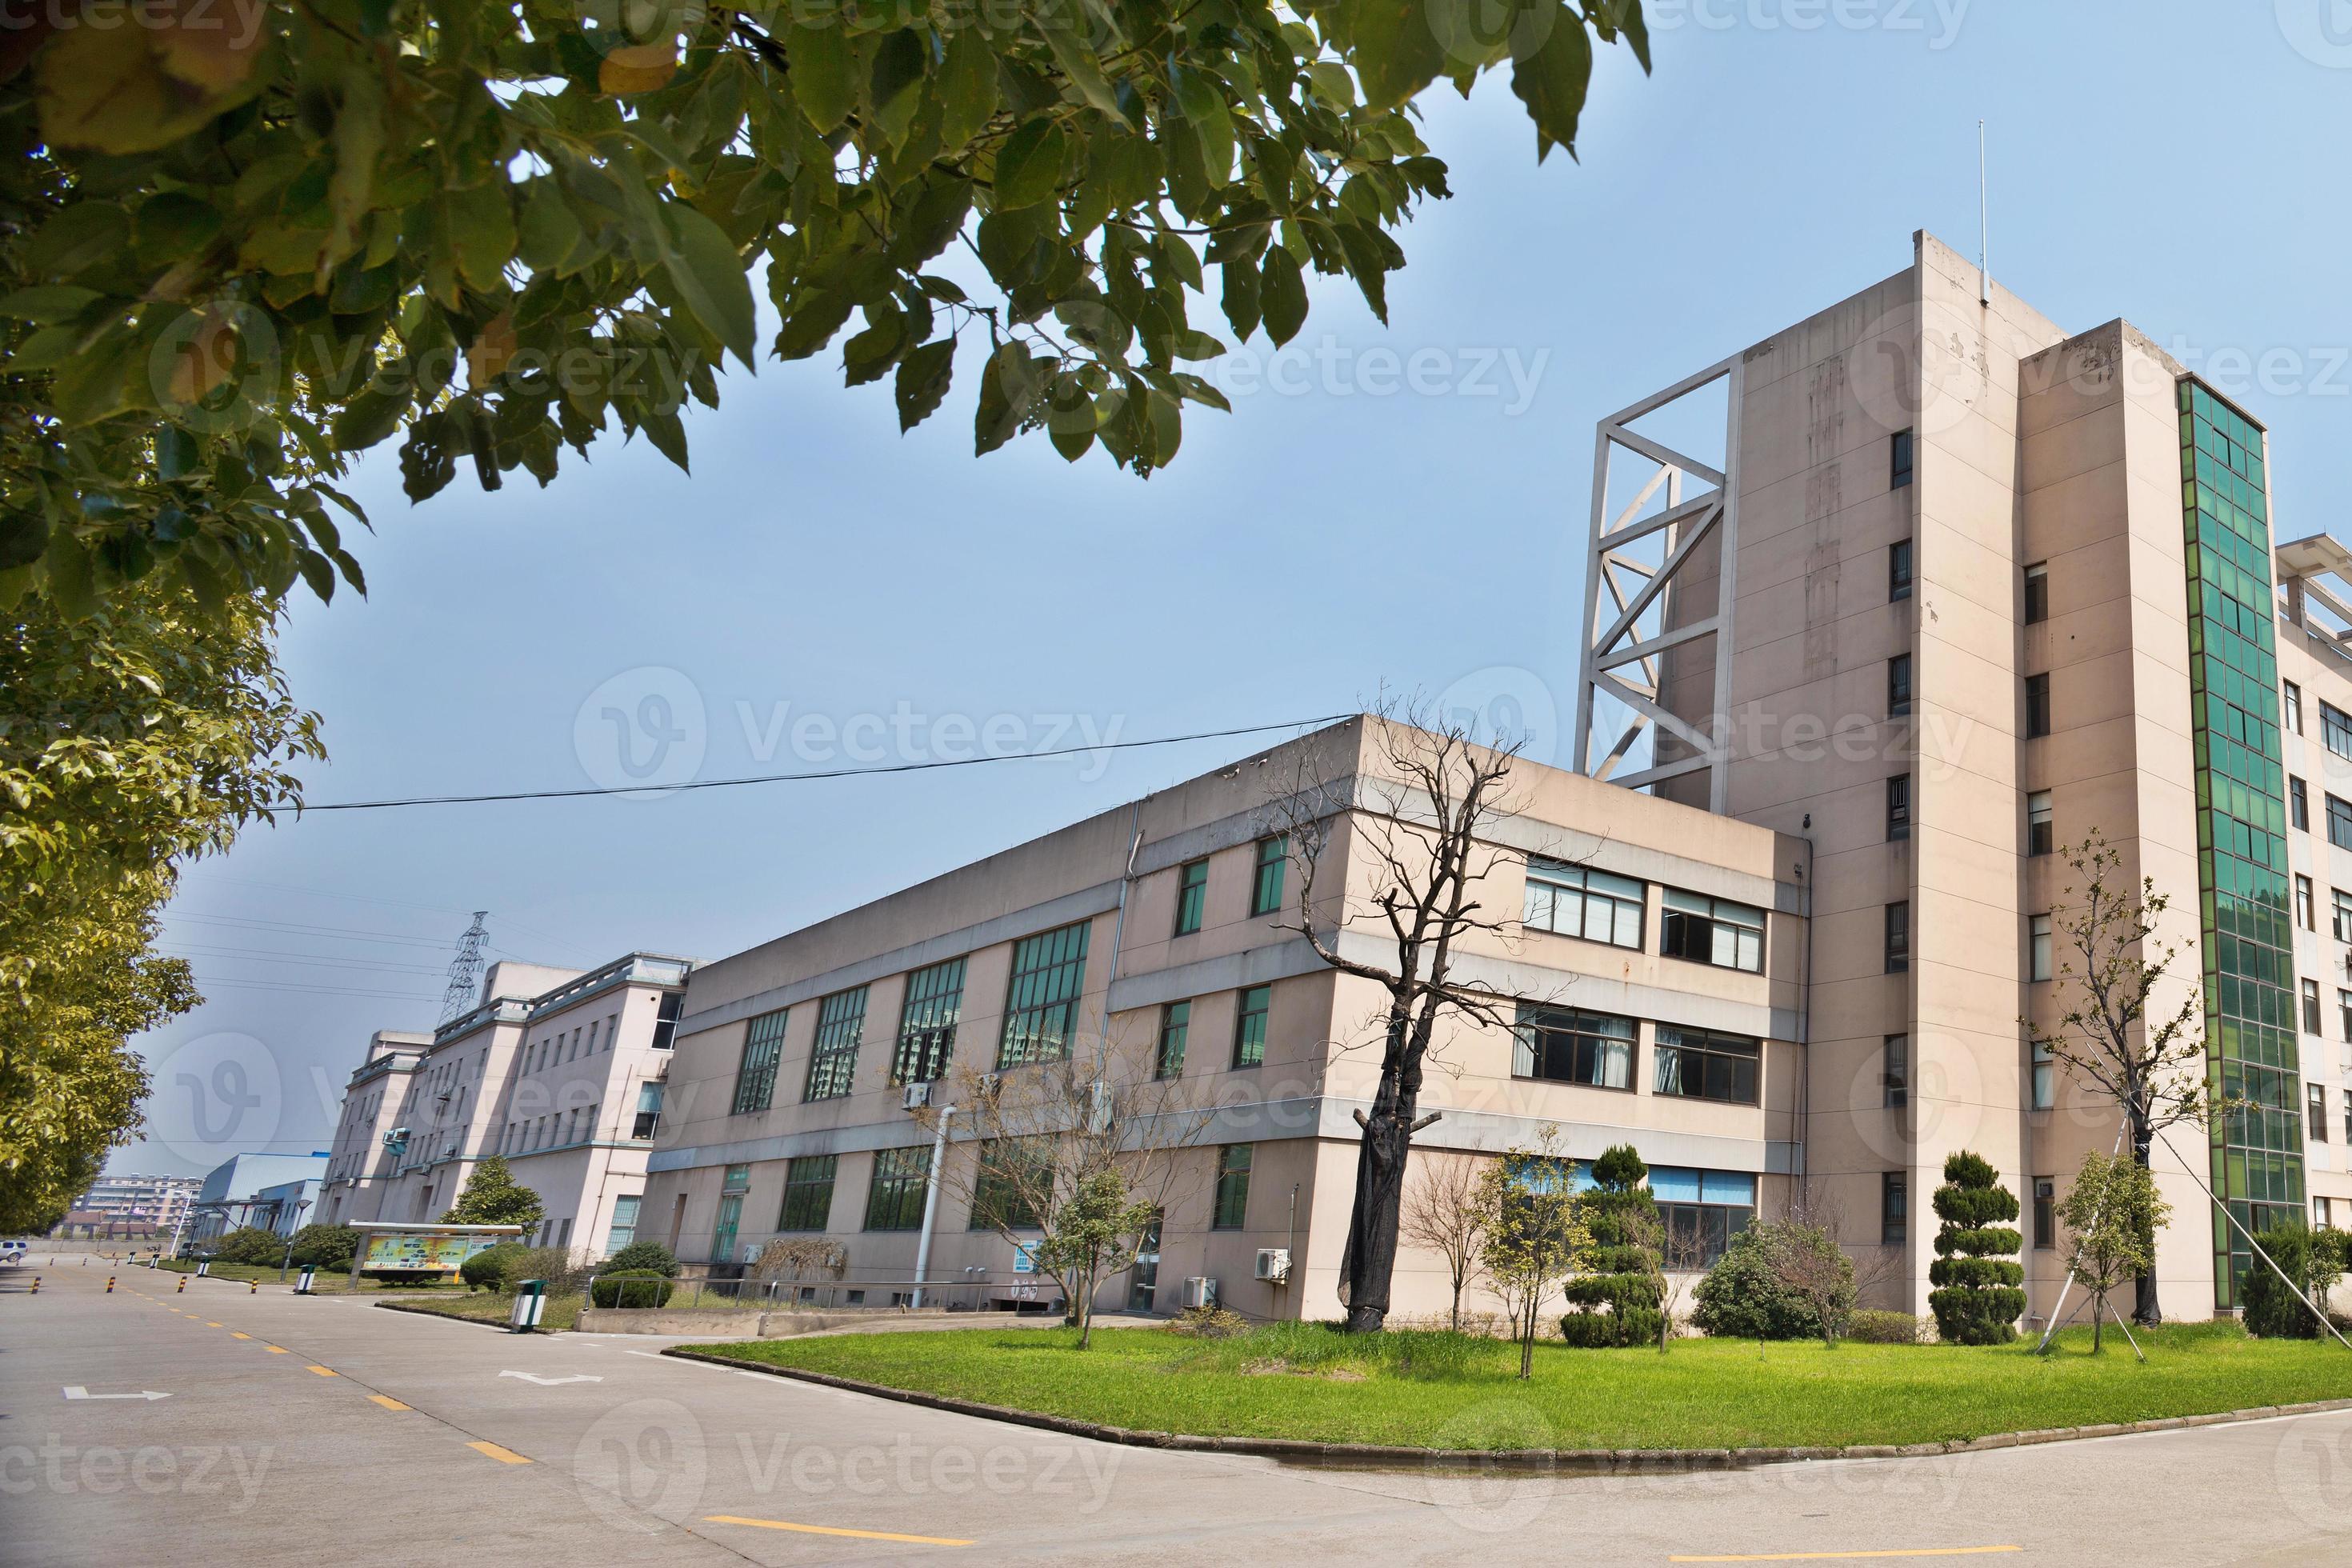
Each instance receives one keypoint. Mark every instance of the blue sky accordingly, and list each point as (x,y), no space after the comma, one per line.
(2148,159)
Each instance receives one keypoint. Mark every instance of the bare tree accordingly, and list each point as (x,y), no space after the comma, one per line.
(1806,1256)
(1446,1213)
(2117,1036)
(1417,812)
(1075,1160)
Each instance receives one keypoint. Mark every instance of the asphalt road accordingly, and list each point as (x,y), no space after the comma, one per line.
(318,1429)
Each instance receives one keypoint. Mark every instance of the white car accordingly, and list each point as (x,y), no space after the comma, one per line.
(12,1252)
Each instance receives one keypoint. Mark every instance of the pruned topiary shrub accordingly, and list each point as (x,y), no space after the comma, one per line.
(487,1270)
(1616,1301)
(631,1288)
(1742,1296)
(640,1255)
(2308,1257)
(1977,1294)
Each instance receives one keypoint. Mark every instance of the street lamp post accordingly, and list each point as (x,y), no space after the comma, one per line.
(932,1204)
(300,1205)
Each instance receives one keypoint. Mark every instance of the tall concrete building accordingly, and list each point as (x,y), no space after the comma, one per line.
(1936,586)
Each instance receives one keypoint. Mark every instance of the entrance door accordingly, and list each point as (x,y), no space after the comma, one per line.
(1144,1283)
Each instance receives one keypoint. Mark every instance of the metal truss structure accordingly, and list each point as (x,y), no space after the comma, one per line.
(1637,555)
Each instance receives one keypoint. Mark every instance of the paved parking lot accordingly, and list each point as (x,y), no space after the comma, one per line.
(215,1424)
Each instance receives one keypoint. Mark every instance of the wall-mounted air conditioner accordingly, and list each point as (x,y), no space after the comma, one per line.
(1200,1291)
(916,1096)
(396,1139)
(1274,1265)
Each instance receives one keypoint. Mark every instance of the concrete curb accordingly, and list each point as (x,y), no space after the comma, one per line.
(1554,1461)
(424,1311)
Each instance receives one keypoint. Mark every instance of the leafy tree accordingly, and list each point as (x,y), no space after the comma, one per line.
(325,1246)
(1535,1234)
(131,740)
(2119,1038)
(1977,1296)
(1619,1299)
(244,244)
(2111,1216)
(492,1197)
(2311,1260)
(1742,1296)
(1802,1255)
(249,1244)
(637,1255)
(1444,1212)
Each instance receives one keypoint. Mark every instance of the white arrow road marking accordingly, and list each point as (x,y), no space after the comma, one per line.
(77,1392)
(552,1381)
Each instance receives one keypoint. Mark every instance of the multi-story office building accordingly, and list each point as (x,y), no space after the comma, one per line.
(244,1190)
(558,1070)
(1954,588)
(155,1203)
(1655,982)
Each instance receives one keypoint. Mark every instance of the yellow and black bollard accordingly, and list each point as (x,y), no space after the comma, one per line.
(184,1286)
(110,1284)
(256,1288)
(37,1285)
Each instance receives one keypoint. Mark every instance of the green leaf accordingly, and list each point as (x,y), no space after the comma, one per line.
(923,378)
(710,278)
(669,436)
(47,304)
(1395,52)
(1367,266)
(549,228)
(102,88)
(1282,289)
(1240,298)
(895,82)
(1202,98)
(966,86)
(1552,82)
(1029,167)
(84,235)
(823,80)
(481,230)
(1076,56)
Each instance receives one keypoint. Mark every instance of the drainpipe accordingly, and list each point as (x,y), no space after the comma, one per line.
(931,1202)
(1804,1117)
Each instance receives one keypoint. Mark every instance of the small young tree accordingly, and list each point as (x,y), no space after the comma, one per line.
(492,1197)
(1618,1297)
(1445,1213)
(1804,1258)
(2118,1037)
(2110,1214)
(1535,1235)
(2311,1260)
(1977,1294)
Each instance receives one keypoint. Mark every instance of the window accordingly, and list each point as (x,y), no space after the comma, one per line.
(1191,895)
(1893,1209)
(2322,1213)
(1898,571)
(1699,1063)
(2037,706)
(666,1016)
(2043,1088)
(649,1100)
(808,1192)
(1175,1022)
(1702,1211)
(895,1200)
(2311,1006)
(1010,1173)
(2291,700)
(1233,1187)
(2305,915)
(2039,831)
(563,1232)
(927,1023)
(1895,1071)
(1898,686)
(1712,931)
(1898,460)
(2298,805)
(2315,1098)
(2335,730)
(1898,807)
(1249,1026)
(1573,901)
(731,1189)
(2343,1014)
(1040,1004)
(2339,823)
(1265,885)
(1899,937)
(2045,1214)
(833,1059)
(763,1048)
(2039,950)
(2037,593)
(1564,1046)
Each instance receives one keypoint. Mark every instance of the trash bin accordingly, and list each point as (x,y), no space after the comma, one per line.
(530,1300)
(302,1281)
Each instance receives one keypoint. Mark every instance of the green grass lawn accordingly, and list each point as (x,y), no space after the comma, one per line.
(328,1282)
(1446,1391)
(561,1315)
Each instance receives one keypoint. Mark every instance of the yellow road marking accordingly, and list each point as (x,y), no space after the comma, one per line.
(388,1401)
(1825,1556)
(235,1335)
(275,1349)
(831,1529)
(503,1456)
(324,1371)
(212,1325)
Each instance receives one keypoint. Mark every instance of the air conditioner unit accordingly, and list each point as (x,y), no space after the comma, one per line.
(916,1096)
(1200,1291)
(1274,1265)
(396,1139)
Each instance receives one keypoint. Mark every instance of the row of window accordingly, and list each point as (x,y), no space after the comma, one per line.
(1600,906)
(1562,1044)
(1271,855)
(1254,1008)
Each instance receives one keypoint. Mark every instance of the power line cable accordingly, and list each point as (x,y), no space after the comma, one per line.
(810,777)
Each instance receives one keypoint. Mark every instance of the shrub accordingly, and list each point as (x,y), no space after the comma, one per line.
(1743,1298)
(1616,1300)
(325,1246)
(2269,1308)
(1977,1297)
(1871,1328)
(555,1265)
(642,1255)
(250,1245)
(487,1270)
(631,1288)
